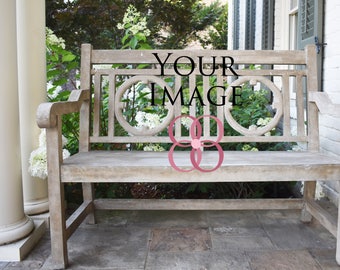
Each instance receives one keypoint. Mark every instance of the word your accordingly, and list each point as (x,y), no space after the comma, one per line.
(225,65)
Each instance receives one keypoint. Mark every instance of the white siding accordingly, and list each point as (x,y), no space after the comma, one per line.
(330,126)
(281,30)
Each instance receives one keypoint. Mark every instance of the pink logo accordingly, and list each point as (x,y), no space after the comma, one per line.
(196,143)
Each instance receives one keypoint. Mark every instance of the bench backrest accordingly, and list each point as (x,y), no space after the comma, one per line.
(168,83)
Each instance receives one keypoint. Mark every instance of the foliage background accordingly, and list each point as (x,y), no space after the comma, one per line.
(173,24)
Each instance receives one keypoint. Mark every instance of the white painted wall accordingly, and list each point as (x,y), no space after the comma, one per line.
(281,26)
(330,126)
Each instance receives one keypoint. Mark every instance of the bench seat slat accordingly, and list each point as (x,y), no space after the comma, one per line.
(139,166)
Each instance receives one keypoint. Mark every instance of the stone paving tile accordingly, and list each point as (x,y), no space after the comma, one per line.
(103,247)
(274,215)
(292,234)
(3,265)
(25,265)
(169,219)
(232,219)
(325,258)
(225,231)
(113,218)
(122,247)
(282,260)
(197,261)
(240,235)
(180,239)
(241,243)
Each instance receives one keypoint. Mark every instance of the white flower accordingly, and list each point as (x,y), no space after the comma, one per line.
(299,147)
(263,121)
(140,118)
(153,148)
(133,22)
(148,120)
(38,163)
(38,158)
(52,39)
(42,139)
(252,128)
(248,147)
(186,122)
(146,90)
(152,120)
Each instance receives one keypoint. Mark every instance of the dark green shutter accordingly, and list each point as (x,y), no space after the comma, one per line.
(250,25)
(310,22)
(268,25)
(310,29)
(236,44)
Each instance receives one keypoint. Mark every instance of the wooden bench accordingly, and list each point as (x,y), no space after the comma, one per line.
(113,80)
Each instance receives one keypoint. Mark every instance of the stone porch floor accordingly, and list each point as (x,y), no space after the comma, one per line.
(198,240)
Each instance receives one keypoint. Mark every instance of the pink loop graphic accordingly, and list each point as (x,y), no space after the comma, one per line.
(196,143)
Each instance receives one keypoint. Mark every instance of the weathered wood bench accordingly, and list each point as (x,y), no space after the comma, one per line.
(113,80)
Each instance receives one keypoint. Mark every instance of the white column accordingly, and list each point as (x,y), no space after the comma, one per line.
(14,224)
(32,92)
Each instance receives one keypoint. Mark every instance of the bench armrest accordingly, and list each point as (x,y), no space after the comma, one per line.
(324,103)
(47,112)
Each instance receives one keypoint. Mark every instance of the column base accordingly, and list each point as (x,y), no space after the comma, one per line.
(17,251)
(36,207)
(42,217)
(14,232)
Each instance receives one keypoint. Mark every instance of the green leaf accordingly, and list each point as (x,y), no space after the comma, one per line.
(68,57)
(125,38)
(60,81)
(133,43)
(53,73)
(54,57)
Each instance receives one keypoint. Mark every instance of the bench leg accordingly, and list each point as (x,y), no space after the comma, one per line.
(58,229)
(56,199)
(88,195)
(308,195)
